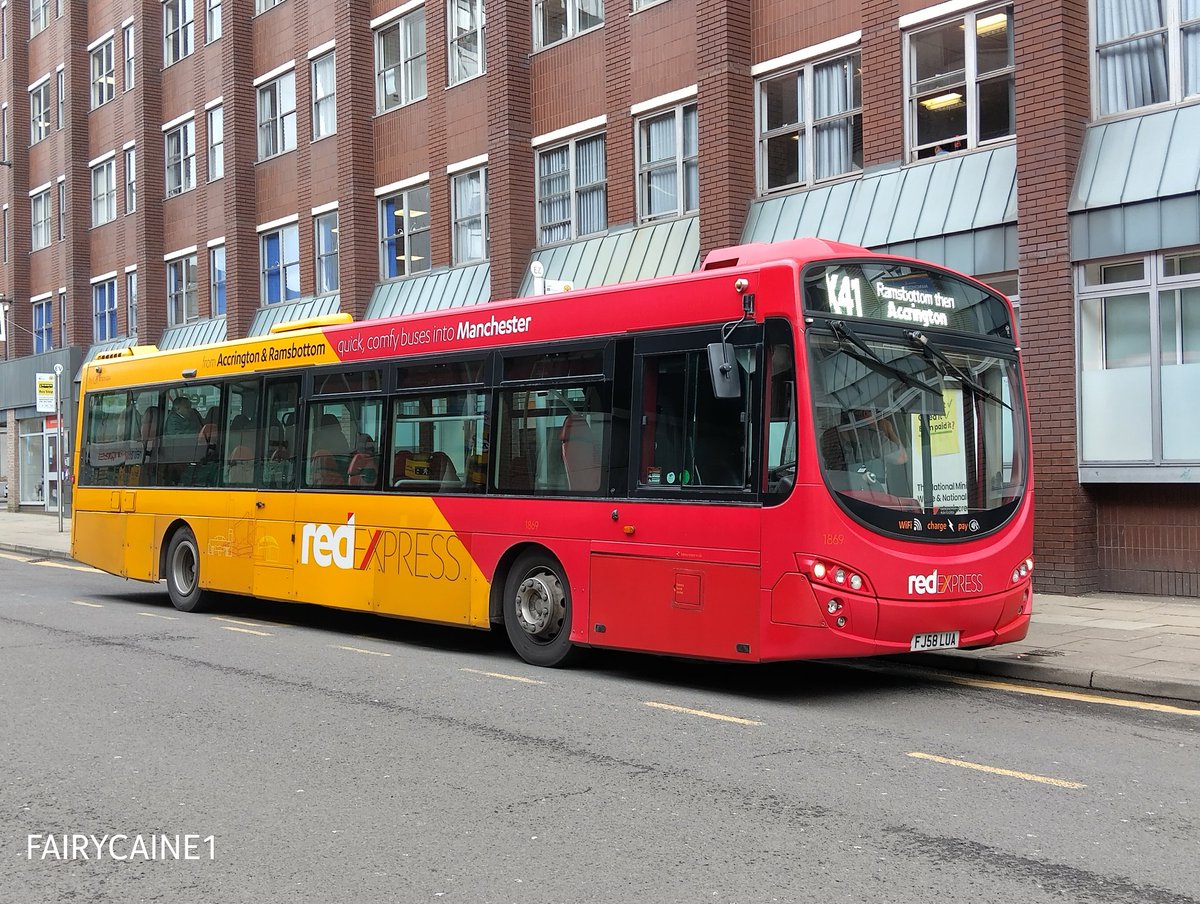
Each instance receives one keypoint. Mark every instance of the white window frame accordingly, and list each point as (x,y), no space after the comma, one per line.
(324,101)
(62,210)
(285,266)
(277,125)
(178,41)
(213,25)
(574,189)
(400,70)
(130,180)
(39,217)
(1091,346)
(972,79)
(402,240)
(214,120)
(472,23)
(182,304)
(218,287)
(105,292)
(60,78)
(104,74)
(1171,33)
(39,112)
(131,301)
(104,192)
(183,164)
(461,220)
(43,338)
(682,162)
(129,49)
(39,17)
(807,125)
(324,254)
(261,6)
(573,10)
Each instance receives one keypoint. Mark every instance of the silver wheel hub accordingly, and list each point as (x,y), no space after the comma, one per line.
(183,569)
(540,606)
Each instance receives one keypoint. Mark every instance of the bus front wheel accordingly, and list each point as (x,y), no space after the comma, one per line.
(537,610)
(183,572)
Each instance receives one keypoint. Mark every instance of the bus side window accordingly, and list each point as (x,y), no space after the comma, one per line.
(439,442)
(554,439)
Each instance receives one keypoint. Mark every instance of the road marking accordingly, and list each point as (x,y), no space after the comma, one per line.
(1011,773)
(247,631)
(89,605)
(48,564)
(1070,695)
(359,650)
(235,621)
(700,712)
(156,615)
(24,559)
(519,678)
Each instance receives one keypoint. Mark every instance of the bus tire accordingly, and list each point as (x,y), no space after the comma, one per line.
(537,610)
(183,572)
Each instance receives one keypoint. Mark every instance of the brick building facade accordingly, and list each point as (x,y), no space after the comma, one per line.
(187,170)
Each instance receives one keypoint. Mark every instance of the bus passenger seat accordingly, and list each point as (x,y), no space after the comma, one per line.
(581,456)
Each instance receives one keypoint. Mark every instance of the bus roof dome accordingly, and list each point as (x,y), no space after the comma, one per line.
(766,252)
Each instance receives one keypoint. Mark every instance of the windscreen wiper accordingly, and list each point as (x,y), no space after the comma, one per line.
(864,354)
(936,356)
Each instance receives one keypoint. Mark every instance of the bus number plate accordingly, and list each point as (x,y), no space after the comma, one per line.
(937,640)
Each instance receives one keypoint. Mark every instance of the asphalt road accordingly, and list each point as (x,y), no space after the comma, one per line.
(338,757)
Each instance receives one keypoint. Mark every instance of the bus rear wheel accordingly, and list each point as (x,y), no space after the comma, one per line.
(537,610)
(183,572)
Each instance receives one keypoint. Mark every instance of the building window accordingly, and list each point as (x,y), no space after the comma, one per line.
(1146,53)
(216,271)
(177,30)
(557,20)
(572,190)
(668,164)
(810,124)
(131,315)
(281,265)
(40,220)
(4,132)
(61,100)
(104,192)
(181,290)
(39,16)
(469,195)
(62,317)
(212,21)
(961,83)
(216,143)
(324,96)
(264,5)
(1139,335)
(104,311)
(181,158)
(104,79)
(277,116)
(130,180)
(39,112)
(466,35)
(62,210)
(43,326)
(325,232)
(130,51)
(4,226)
(404,233)
(400,62)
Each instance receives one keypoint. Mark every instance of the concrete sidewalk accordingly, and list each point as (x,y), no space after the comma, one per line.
(1147,646)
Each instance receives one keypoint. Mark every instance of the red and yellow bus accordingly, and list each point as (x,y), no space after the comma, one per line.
(802,450)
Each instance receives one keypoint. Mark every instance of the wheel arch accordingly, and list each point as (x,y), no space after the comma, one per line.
(500,575)
(174,527)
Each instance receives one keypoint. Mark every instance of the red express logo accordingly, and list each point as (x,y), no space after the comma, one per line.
(436,555)
(934,584)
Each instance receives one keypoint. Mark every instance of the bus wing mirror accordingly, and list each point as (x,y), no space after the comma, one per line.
(723,369)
